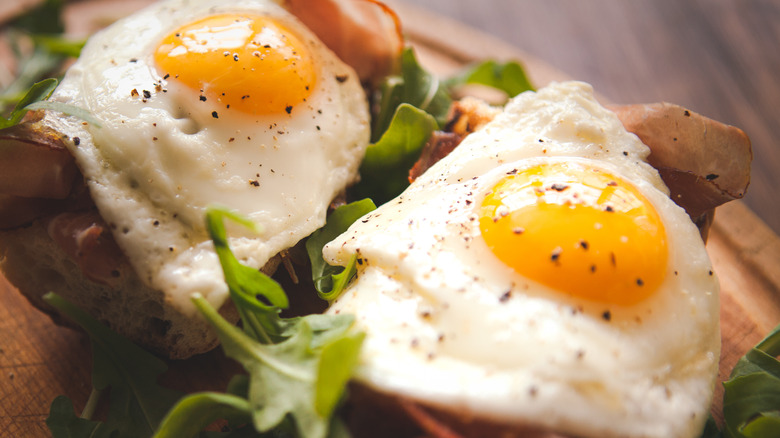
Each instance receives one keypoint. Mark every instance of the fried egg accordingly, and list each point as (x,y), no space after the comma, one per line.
(539,276)
(207,102)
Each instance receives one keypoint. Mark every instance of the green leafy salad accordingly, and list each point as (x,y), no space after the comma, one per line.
(296,368)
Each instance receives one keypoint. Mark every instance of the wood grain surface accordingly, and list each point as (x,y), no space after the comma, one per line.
(39,360)
(717,57)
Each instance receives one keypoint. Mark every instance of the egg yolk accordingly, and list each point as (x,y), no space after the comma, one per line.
(578,230)
(249,63)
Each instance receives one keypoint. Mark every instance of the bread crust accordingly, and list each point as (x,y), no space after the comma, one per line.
(32,261)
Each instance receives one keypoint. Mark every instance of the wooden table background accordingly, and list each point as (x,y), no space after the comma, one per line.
(720,58)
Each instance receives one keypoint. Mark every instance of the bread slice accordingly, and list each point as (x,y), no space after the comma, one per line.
(36,265)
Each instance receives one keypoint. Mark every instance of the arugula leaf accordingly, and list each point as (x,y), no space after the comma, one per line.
(297,368)
(342,279)
(35,99)
(45,18)
(32,69)
(408,107)
(414,86)
(384,173)
(43,27)
(245,284)
(137,402)
(253,292)
(330,280)
(38,92)
(196,411)
(283,377)
(57,45)
(751,401)
(508,77)
(65,108)
(63,422)
(338,358)
(711,429)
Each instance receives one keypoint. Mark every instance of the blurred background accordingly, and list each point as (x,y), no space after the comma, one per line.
(720,58)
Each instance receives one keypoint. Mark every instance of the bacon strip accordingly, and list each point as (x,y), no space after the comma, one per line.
(34,163)
(704,163)
(85,237)
(465,116)
(366,34)
(439,145)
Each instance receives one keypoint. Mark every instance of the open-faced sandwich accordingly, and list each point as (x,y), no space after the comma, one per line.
(191,104)
(538,279)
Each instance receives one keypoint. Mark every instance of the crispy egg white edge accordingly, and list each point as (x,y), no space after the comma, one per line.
(652,378)
(176,256)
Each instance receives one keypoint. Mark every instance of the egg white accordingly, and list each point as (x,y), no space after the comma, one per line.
(450,326)
(159,157)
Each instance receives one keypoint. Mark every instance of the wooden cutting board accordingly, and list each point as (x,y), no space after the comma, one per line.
(39,360)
